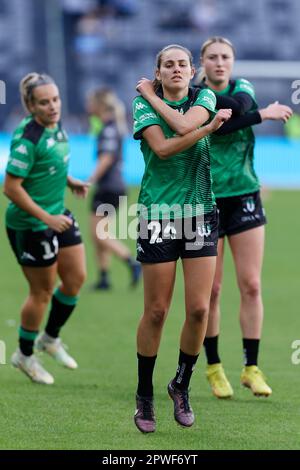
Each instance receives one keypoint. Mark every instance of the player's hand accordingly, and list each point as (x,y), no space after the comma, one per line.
(145,87)
(222,116)
(59,223)
(277,112)
(78,187)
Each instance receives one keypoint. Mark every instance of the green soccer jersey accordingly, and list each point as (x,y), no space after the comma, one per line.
(39,155)
(232,155)
(182,181)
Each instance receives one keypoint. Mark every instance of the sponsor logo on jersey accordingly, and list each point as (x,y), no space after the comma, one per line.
(147,116)
(243,80)
(243,84)
(210,92)
(52,170)
(18,164)
(207,99)
(22,149)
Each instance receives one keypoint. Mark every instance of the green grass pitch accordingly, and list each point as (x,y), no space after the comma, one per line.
(92,408)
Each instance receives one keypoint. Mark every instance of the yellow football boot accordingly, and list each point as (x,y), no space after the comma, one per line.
(217,379)
(253,378)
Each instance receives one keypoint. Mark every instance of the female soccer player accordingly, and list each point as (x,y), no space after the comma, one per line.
(242,217)
(109,183)
(177,219)
(44,236)
(236,187)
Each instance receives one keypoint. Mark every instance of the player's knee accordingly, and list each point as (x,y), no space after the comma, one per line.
(80,278)
(198,314)
(251,288)
(158,315)
(215,292)
(42,295)
(72,284)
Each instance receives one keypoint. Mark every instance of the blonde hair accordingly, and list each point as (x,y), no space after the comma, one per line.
(156,82)
(105,97)
(205,45)
(29,83)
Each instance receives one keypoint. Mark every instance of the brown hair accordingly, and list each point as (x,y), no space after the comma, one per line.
(156,82)
(205,45)
(29,83)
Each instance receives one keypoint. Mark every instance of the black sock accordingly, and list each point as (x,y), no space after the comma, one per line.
(250,347)
(211,349)
(26,340)
(186,365)
(103,275)
(145,373)
(61,308)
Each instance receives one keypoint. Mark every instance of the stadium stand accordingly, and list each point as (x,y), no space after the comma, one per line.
(113,42)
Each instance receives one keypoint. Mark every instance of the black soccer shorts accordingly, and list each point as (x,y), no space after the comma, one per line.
(160,241)
(240,213)
(40,248)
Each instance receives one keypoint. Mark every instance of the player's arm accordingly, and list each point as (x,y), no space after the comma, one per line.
(165,148)
(14,190)
(180,123)
(240,103)
(274,111)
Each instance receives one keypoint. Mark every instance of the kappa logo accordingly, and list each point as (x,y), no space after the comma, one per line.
(22,149)
(139,106)
(26,255)
(139,248)
(50,142)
